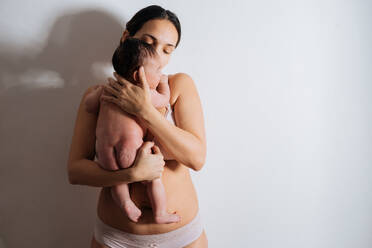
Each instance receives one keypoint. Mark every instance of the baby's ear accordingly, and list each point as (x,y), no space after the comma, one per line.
(135,76)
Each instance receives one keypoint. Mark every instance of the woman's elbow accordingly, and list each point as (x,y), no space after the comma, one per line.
(71,178)
(71,174)
(198,162)
(73,182)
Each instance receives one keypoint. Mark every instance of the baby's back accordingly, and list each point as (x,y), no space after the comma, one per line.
(123,131)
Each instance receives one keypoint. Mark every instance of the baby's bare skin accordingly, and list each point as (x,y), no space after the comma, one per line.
(110,135)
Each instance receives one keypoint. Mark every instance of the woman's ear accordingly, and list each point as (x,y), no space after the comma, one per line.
(124,36)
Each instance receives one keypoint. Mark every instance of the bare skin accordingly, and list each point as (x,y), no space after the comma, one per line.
(184,144)
(174,173)
(131,136)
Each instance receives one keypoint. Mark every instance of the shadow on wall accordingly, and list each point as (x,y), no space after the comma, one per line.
(39,98)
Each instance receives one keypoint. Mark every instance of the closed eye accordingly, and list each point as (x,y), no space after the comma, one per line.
(168,51)
(153,39)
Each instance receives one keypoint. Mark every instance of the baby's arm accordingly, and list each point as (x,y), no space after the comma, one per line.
(160,96)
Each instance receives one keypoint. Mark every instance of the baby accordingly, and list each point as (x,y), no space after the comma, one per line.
(127,58)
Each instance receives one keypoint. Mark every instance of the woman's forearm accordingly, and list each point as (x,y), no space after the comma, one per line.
(88,172)
(183,146)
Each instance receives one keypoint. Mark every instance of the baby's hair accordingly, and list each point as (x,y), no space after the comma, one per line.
(130,55)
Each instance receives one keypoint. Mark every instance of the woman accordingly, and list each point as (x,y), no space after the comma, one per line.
(184,142)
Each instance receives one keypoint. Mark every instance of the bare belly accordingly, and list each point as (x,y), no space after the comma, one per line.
(181,198)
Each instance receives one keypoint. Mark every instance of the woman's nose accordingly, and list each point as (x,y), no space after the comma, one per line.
(163,60)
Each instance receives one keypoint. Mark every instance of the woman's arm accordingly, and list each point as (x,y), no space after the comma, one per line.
(186,142)
(82,170)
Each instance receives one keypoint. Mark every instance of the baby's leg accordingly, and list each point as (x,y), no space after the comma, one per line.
(120,194)
(126,151)
(156,193)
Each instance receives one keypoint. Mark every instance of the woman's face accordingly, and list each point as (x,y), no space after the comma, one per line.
(162,34)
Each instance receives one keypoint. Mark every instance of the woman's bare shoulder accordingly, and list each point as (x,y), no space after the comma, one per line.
(178,84)
(187,105)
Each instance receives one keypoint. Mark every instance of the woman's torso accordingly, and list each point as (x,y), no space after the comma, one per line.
(181,198)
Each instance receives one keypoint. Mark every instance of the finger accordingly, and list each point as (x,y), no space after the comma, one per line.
(122,81)
(146,147)
(115,85)
(156,149)
(100,89)
(142,76)
(158,153)
(96,87)
(110,99)
(109,89)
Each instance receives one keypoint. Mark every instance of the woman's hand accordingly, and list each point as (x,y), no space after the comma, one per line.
(147,165)
(129,97)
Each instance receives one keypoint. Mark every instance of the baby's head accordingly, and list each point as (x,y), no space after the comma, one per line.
(133,53)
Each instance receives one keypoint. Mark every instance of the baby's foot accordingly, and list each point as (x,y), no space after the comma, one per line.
(132,211)
(167,218)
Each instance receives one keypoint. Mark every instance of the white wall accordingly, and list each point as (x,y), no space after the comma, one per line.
(286,92)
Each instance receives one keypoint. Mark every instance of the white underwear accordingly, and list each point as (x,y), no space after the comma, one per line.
(178,238)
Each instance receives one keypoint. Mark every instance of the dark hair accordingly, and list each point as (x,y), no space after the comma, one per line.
(150,13)
(130,55)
